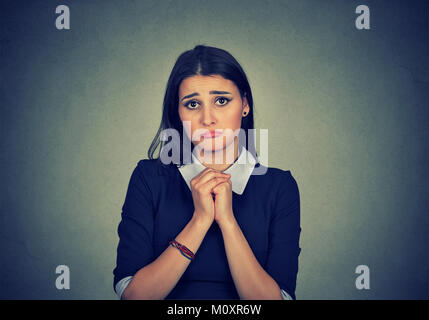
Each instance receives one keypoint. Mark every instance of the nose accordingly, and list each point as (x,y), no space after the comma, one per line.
(207,116)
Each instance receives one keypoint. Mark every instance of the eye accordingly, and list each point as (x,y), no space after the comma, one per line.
(191,104)
(223,100)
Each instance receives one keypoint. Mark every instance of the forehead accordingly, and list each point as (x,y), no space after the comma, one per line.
(204,84)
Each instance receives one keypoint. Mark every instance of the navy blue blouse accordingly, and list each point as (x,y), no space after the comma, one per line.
(159,204)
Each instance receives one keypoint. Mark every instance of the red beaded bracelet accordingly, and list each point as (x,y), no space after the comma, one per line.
(183,250)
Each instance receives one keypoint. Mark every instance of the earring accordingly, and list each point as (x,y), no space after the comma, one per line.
(244,113)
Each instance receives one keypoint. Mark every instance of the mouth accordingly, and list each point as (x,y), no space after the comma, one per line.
(212,134)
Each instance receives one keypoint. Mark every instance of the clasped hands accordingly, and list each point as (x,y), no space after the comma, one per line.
(212,196)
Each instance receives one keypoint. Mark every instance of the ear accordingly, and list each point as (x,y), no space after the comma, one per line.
(245,108)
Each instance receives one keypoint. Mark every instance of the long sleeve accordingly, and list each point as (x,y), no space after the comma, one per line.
(123,283)
(135,230)
(283,252)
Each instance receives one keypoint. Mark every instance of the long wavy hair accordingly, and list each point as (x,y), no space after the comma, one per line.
(201,60)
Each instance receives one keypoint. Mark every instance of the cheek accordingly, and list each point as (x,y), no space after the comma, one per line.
(234,119)
(189,125)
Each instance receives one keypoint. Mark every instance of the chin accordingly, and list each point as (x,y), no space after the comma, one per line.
(208,147)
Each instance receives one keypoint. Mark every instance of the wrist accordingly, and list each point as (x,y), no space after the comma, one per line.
(227,223)
(201,222)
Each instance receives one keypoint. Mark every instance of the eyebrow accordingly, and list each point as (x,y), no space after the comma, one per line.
(211,92)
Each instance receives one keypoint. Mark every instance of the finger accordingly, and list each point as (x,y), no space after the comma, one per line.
(203,172)
(210,175)
(208,186)
(196,179)
(218,188)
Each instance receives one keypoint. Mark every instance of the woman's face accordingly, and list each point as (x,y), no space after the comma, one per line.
(212,103)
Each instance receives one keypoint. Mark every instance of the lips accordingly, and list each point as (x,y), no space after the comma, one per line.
(212,134)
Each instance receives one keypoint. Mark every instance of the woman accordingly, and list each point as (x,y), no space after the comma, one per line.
(200,228)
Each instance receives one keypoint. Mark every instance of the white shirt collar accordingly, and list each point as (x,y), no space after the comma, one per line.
(240,170)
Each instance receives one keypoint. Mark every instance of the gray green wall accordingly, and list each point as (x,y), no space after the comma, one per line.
(346,111)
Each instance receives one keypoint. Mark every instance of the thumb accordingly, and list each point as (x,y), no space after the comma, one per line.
(215,190)
(219,187)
